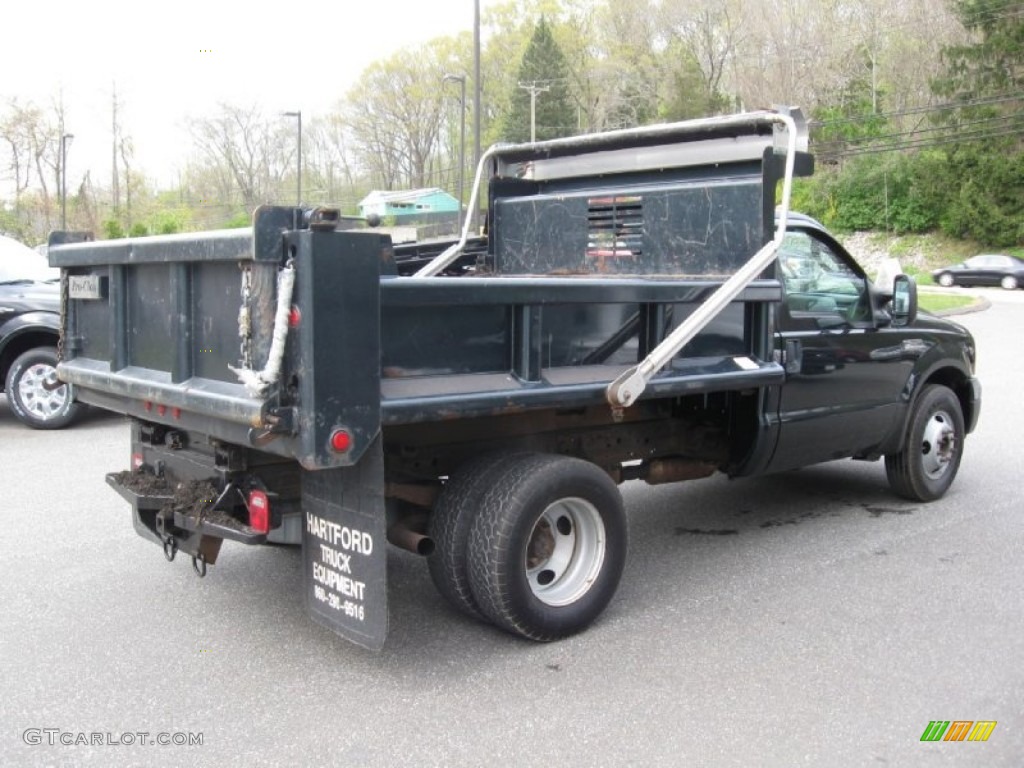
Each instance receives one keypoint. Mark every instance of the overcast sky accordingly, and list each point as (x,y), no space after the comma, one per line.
(174,59)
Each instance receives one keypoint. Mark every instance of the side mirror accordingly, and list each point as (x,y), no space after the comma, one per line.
(904,300)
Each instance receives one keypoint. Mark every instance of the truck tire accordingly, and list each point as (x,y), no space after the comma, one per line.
(31,402)
(547,547)
(934,445)
(450,523)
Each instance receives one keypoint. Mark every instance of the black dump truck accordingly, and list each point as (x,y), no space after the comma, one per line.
(639,309)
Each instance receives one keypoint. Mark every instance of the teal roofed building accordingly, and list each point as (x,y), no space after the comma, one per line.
(408,203)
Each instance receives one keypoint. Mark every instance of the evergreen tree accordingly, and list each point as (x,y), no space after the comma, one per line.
(986,79)
(543,71)
(849,120)
(986,76)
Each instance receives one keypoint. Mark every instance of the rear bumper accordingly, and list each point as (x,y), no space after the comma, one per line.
(164,512)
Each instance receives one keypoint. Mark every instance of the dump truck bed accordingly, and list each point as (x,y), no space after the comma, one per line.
(599,249)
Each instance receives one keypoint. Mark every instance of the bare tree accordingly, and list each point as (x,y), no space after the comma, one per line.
(18,130)
(396,112)
(713,33)
(249,152)
(32,136)
(327,160)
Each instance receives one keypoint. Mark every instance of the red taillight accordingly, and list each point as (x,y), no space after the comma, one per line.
(341,440)
(161,410)
(176,413)
(137,460)
(294,317)
(148,405)
(259,511)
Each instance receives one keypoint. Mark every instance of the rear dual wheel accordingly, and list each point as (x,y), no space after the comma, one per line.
(542,540)
(450,524)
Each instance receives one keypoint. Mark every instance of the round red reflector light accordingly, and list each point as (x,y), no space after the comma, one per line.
(294,317)
(148,405)
(161,410)
(341,440)
(176,413)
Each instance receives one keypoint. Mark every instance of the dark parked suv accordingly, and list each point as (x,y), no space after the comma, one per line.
(29,330)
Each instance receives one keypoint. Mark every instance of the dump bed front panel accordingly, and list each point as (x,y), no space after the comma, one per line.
(690,224)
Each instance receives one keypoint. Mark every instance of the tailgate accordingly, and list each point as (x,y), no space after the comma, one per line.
(153,327)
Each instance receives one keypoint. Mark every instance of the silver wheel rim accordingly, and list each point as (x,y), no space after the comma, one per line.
(42,403)
(938,445)
(565,552)
(1009,283)
(946,280)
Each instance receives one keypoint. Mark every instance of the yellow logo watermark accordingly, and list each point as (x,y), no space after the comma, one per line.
(958,730)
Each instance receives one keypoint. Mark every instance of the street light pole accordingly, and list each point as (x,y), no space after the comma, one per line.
(461,80)
(298,197)
(64,140)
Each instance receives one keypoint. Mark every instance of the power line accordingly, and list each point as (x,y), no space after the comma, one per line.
(947,106)
(989,122)
(929,143)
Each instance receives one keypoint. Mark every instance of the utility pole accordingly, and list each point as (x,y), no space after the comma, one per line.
(534,89)
(65,138)
(461,80)
(114,175)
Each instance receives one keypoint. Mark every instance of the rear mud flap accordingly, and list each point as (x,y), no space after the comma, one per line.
(344,551)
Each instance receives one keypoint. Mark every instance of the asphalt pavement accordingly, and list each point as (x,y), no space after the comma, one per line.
(804,619)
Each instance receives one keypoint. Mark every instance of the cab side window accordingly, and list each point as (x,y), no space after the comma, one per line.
(818,282)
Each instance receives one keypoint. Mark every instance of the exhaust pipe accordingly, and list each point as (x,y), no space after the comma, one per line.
(408,533)
(666,470)
(676,470)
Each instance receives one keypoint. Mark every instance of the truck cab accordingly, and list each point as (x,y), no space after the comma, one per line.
(851,358)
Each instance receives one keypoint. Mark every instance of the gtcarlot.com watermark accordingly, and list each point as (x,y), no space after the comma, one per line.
(53,737)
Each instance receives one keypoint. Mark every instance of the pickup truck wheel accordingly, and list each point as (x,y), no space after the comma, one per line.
(548,546)
(925,468)
(450,523)
(31,401)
